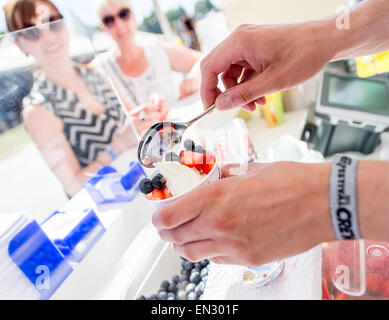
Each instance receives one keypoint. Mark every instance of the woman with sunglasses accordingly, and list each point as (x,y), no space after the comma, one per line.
(136,71)
(72,115)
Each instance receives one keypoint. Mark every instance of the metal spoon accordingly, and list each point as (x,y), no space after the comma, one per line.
(161,138)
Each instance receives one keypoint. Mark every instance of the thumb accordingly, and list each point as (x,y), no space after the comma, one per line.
(245,93)
(228,170)
(235,169)
(240,169)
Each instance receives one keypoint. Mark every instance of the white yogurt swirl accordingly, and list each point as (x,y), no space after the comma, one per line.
(179,178)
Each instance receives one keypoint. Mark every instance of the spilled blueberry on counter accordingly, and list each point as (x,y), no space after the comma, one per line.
(188,285)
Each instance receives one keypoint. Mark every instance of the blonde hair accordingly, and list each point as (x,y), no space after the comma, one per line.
(102,3)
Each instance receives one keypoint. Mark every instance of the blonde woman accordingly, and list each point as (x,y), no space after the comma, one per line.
(140,71)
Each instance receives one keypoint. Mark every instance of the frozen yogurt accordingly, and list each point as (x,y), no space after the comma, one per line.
(179,172)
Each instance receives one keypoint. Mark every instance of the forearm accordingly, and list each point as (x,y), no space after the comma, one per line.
(195,72)
(183,59)
(373,195)
(368,31)
(74,185)
(125,139)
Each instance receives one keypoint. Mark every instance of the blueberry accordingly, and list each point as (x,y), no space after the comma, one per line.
(162,295)
(172,287)
(198,290)
(176,278)
(153,297)
(204,263)
(146,186)
(188,266)
(204,272)
(181,295)
(171,296)
(201,286)
(184,272)
(184,276)
(199,149)
(141,298)
(171,156)
(179,286)
(192,296)
(195,277)
(189,145)
(158,182)
(196,269)
(190,287)
(183,284)
(197,265)
(165,284)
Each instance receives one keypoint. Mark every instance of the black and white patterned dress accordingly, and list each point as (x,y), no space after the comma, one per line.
(88,134)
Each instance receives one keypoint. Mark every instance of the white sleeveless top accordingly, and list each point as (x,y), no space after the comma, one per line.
(158,77)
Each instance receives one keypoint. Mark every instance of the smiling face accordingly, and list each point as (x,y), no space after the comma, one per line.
(123,28)
(46,41)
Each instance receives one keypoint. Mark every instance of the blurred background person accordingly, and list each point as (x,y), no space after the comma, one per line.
(71,113)
(190,36)
(140,71)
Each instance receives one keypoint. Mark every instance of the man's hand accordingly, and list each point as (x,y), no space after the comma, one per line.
(275,211)
(258,60)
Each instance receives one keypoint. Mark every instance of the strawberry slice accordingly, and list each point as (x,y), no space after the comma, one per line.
(208,162)
(192,159)
(157,195)
(167,193)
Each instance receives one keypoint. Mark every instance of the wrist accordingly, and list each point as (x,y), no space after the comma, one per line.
(319,207)
(111,152)
(104,158)
(373,191)
(116,146)
(335,40)
(357,31)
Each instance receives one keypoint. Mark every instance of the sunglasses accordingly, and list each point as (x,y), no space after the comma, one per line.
(123,14)
(32,33)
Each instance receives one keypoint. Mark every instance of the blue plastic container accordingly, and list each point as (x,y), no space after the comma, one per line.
(39,259)
(109,186)
(79,232)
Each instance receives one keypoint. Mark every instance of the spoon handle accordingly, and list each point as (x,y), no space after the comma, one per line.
(210,109)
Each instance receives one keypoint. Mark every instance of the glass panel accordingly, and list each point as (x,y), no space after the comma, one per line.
(58,114)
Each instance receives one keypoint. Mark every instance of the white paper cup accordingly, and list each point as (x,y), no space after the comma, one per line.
(214,175)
